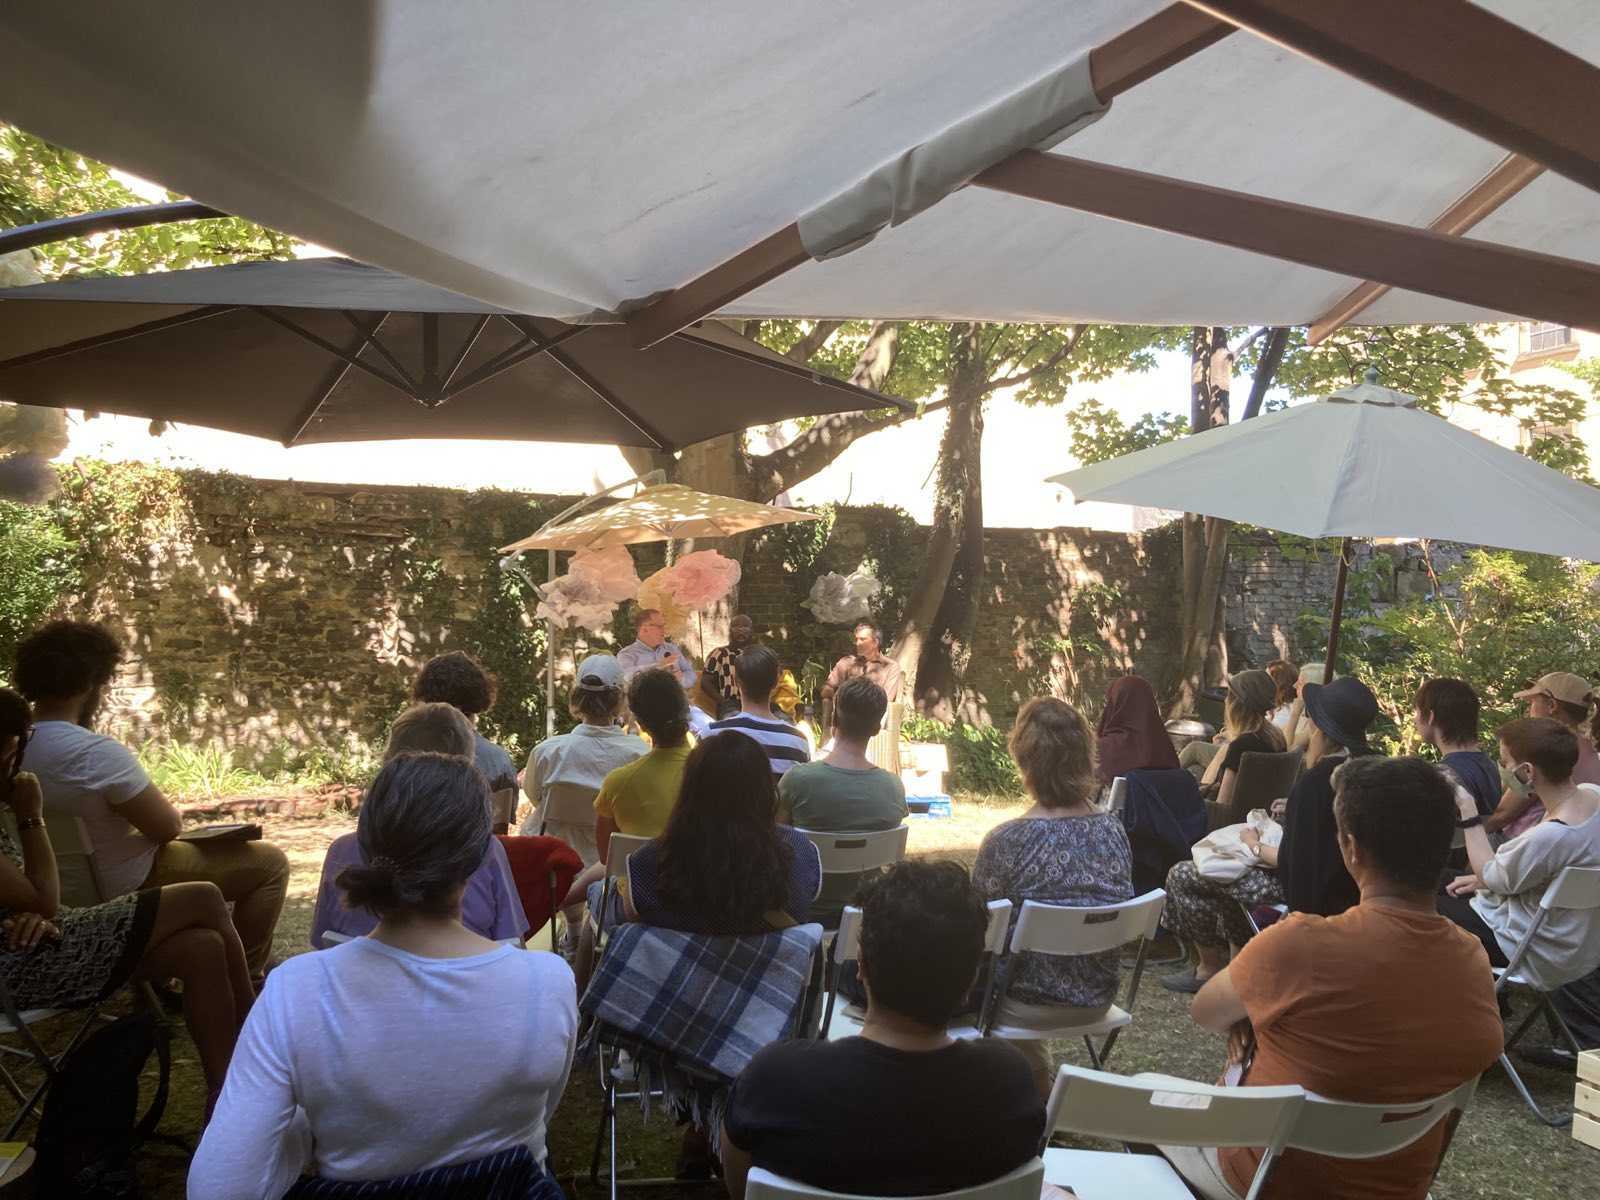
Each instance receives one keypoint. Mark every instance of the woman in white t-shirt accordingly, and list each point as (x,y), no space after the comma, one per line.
(421,1045)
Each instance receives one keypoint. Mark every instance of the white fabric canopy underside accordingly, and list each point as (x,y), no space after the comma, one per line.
(568,160)
(1331,469)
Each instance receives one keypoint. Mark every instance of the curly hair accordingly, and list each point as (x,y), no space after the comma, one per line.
(66,658)
(1054,749)
(922,928)
(16,721)
(722,857)
(456,679)
(1284,677)
(1401,812)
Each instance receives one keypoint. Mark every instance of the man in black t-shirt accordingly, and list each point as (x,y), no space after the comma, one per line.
(903,1109)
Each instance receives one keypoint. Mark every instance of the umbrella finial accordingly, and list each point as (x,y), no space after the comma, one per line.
(1372,375)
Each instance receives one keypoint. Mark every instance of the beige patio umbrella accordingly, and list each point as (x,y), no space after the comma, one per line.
(660,512)
(666,512)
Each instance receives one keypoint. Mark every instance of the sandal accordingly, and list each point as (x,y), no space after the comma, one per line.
(1184,981)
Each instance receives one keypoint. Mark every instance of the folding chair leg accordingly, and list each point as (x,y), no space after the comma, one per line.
(611,1125)
(1094,1055)
(1557,1121)
(608,1114)
(1105,1049)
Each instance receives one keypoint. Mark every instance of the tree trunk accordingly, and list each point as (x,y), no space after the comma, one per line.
(1205,539)
(936,629)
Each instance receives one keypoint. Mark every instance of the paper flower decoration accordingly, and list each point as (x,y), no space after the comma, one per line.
(699,580)
(839,599)
(588,594)
(653,593)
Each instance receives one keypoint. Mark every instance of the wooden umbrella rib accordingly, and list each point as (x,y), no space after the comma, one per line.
(1175,33)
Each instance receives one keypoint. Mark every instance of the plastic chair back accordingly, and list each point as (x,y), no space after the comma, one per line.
(618,849)
(1024,1183)
(847,942)
(853,853)
(1262,779)
(81,885)
(1059,929)
(572,803)
(1575,887)
(1341,1129)
(1174,1112)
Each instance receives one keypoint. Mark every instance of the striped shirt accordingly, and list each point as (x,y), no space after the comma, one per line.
(785,745)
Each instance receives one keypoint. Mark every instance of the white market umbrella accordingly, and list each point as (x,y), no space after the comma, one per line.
(1225,162)
(1363,462)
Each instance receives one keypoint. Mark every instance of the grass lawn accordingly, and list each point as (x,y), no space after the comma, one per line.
(1499,1150)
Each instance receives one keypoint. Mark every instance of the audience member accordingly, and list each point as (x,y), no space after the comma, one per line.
(650,648)
(844,792)
(756,671)
(579,762)
(1298,730)
(868,661)
(1498,902)
(1286,677)
(1334,1004)
(1133,736)
(457,679)
(903,1109)
(718,681)
(1559,696)
(57,957)
(724,865)
(1305,871)
(420,1045)
(64,670)
(1065,851)
(1447,720)
(1249,730)
(489,906)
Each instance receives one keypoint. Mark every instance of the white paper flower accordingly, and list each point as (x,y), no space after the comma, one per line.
(839,599)
(588,594)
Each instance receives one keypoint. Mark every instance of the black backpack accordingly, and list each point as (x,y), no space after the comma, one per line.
(91,1125)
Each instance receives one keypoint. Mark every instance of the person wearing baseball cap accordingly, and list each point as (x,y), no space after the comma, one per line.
(1560,696)
(564,772)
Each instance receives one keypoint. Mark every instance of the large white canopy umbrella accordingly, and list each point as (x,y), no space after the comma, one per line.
(1363,462)
(1220,162)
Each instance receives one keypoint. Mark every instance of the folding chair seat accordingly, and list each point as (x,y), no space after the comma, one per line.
(1574,888)
(1158,1110)
(1022,1184)
(1067,931)
(842,1019)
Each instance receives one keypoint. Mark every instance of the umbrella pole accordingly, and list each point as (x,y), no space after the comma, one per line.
(550,664)
(1345,549)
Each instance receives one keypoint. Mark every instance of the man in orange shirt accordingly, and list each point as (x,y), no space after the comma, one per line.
(1386,1003)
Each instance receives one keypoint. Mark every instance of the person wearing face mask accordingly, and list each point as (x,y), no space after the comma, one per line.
(1499,900)
(1559,696)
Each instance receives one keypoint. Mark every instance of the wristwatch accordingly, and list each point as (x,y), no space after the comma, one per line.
(1470,822)
(30,823)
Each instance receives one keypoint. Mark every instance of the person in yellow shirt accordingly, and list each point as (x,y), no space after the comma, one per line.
(637,798)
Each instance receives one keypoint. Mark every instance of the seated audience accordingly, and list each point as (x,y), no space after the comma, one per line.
(64,670)
(869,662)
(1062,851)
(489,906)
(1133,736)
(420,1045)
(1500,899)
(1286,676)
(650,648)
(1249,730)
(457,679)
(1298,729)
(903,1109)
(581,760)
(844,792)
(1305,871)
(55,957)
(1559,696)
(756,671)
(724,865)
(1447,720)
(1338,1005)
(717,680)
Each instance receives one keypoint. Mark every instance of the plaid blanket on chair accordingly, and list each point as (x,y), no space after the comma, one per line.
(707,1002)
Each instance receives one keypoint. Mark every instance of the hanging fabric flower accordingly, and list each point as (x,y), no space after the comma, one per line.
(588,594)
(699,580)
(653,593)
(839,599)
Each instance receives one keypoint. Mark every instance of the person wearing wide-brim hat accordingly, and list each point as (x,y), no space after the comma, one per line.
(1306,872)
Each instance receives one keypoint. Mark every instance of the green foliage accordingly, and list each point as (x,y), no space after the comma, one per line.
(979,759)
(38,565)
(39,182)
(197,772)
(1500,620)
(1099,433)
(802,542)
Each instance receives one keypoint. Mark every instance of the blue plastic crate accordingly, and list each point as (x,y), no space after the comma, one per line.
(928,806)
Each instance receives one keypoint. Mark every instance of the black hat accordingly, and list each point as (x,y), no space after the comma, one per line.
(1342,709)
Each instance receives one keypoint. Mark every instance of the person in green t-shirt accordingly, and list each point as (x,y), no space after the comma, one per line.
(844,792)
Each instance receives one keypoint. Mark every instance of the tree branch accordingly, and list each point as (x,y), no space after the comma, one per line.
(1050,364)
(821,444)
(812,340)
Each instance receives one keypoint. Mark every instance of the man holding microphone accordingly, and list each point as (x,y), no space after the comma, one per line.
(650,648)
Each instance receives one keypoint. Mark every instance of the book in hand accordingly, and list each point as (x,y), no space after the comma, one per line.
(236,832)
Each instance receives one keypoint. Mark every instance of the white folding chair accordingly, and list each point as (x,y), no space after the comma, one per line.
(567,803)
(854,853)
(618,849)
(1022,1184)
(1574,888)
(1158,1110)
(1340,1129)
(1118,800)
(842,1021)
(1063,930)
